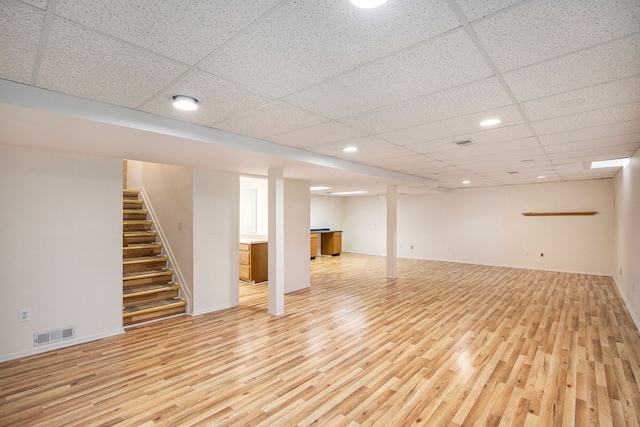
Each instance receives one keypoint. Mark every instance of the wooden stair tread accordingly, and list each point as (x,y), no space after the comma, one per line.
(135,211)
(130,192)
(139,233)
(151,307)
(144,259)
(132,201)
(149,289)
(147,273)
(137,222)
(134,246)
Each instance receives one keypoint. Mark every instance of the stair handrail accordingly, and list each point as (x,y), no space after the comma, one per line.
(167,247)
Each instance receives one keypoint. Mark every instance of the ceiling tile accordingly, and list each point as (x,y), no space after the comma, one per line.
(424,69)
(196,27)
(453,127)
(322,133)
(308,41)
(218,99)
(20,28)
(543,29)
(594,143)
(270,119)
(83,63)
(603,131)
(483,149)
(610,94)
(364,155)
(523,154)
(364,144)
(469,98)
(483,137)
(41,4)
(587,119)
(410,162)
(474,9)
(600,64)
(599,153)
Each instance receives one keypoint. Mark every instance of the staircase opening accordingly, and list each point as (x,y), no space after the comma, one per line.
(149,289)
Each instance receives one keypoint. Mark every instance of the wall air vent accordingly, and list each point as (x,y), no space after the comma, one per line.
(464,143)
(512,172)
(49,337)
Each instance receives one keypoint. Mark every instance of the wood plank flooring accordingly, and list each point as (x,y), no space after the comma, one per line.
(444,345)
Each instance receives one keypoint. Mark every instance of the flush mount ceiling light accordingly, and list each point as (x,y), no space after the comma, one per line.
(368,4)
(489,122)
(350,149)
(466,182)
(185,103)
(541,176)
(319,188)
(345,193)
(613,163)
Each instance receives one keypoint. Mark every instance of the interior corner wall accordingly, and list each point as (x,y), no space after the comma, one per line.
(627,267)
(60,247)
(297,272)
(486,226)
(216,216)
(170,192)
(327,212)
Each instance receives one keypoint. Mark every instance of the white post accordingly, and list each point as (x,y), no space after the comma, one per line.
(392,231)
(276,242)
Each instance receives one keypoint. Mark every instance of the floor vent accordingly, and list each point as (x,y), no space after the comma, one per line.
(49,337)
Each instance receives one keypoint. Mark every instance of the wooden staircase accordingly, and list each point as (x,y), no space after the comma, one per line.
(148,290)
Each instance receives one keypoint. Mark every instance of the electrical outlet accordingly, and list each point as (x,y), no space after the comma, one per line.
(24,314)
(411,246)
(621,271)
(180,225)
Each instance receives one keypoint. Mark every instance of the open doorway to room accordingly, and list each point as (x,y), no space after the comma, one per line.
(253,241)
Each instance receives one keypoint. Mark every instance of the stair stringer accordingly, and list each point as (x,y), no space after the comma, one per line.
(185,291)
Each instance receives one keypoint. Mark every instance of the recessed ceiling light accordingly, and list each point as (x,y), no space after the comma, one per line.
(490,122)
(614,163)
(350,149)
(368,4)
(466,182)
(541,176)
(186,103)
(344,193)
(319,188)
(569,103)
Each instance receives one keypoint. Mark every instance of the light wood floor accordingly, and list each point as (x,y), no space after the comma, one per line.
(445,345)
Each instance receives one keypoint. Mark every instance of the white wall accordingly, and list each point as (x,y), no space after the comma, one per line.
(627,265)
(297,273)
(486,226)
(262,202)
(215,240)
(327,212)
(169,189)
(60,246)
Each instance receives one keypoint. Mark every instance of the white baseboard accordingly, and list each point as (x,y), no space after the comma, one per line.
(58,346)
(212,309)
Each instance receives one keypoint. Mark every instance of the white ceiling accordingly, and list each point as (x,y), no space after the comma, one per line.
(402,82)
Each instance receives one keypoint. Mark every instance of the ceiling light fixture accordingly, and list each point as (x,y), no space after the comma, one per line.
(368,4)
(350,149)
(185,103)
(466,182)
(489,122)
(613,163)
(345,193)
(319,188)
(540,176)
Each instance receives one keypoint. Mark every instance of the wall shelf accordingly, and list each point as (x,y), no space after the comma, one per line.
(558,213)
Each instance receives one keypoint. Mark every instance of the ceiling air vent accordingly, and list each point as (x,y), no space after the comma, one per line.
(464,143)
(512,172)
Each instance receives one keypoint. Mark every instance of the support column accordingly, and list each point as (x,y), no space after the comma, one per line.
(276,242)
(392,231)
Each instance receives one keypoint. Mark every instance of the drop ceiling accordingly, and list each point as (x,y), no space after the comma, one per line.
(402,82)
